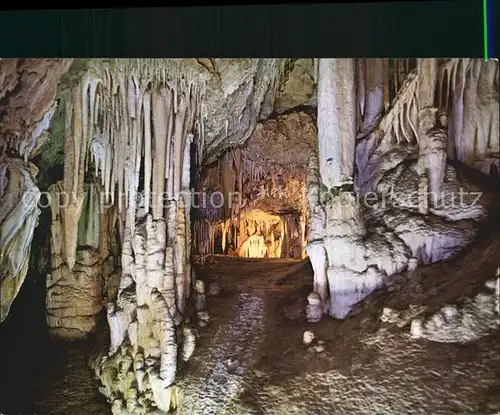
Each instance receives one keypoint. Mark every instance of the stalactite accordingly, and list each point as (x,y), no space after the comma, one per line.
(387,91)
(471,129)
(373,99)
(168,161)
(180,259)
(123,132)
(147,150)
(427,74)
(161,109)
(361,76)
(73,175)
(336,133)
(180,112)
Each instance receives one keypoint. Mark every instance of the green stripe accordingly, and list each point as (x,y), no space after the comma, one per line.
(485,28)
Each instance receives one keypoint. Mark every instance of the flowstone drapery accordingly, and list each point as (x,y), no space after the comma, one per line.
(19,198)
(75,296)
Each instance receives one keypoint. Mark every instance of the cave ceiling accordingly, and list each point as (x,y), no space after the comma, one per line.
(238,93)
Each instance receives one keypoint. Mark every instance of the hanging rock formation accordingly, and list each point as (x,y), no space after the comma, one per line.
(19,198)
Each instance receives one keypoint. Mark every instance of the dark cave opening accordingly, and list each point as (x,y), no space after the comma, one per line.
(25,342)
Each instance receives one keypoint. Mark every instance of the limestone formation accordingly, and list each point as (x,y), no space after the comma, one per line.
(372,186)
(336,120)
(200,301)
(188,343)
(19,198)
(317,255)
(314,310)
(464,323)
(308,337)
(75,297)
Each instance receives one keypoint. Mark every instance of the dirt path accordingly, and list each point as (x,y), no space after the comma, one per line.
(233,341)
(234,350)
(250,359)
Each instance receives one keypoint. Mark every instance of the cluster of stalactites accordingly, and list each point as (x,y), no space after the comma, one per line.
(144,131)
(466,101)
(402,118)
(468,92)
(242,181)
(246,237)
(124,117)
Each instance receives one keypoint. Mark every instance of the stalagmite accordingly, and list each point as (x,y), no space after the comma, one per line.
(168,289)
(188,344)
(314,310)
(166,331)
(317,255)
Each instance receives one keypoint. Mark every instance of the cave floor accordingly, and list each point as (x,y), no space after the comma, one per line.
(250,358)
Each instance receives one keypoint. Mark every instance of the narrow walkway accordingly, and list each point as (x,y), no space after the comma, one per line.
(219,373)
(235,346)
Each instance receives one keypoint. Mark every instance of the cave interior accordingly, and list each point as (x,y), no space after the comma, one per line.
(240,236)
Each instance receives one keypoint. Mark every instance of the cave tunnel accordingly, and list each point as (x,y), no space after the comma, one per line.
(238,236)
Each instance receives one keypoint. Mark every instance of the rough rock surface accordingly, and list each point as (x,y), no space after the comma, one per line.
(297,84)
(27,91)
